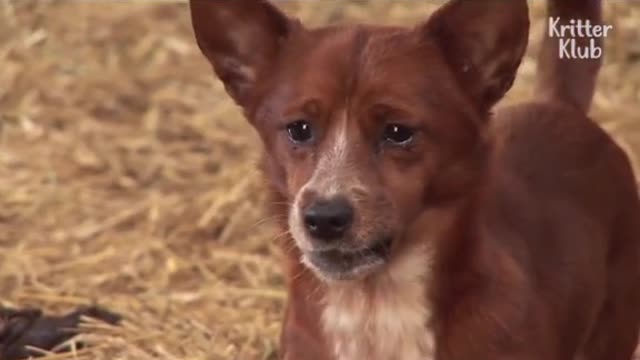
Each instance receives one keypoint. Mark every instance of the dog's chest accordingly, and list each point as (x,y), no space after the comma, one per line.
(385,321)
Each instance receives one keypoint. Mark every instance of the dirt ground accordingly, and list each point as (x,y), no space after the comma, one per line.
(128,179)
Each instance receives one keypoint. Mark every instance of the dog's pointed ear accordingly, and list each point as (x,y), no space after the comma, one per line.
(484,42)
(241,39)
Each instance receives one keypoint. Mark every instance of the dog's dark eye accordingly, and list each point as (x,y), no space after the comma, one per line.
(398,134)
(300,131)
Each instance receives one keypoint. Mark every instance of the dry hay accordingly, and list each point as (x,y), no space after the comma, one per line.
(128,179)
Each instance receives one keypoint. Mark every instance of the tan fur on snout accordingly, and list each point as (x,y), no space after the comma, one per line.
(339,173)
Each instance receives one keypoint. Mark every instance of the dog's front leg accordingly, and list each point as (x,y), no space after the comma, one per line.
(302,336)
(302,341)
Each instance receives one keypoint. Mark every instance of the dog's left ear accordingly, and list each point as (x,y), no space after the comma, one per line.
(484,42)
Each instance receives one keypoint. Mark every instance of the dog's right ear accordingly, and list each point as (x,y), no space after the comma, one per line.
(241,39)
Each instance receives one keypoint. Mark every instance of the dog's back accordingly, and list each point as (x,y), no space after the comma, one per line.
(561,201)
(577,235)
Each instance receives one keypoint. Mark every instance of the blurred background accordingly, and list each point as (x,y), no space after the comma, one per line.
(128,179)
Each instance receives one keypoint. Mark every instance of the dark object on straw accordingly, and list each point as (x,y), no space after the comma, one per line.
(25,328)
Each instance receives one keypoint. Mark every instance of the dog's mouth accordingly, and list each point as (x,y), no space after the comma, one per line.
(343,264)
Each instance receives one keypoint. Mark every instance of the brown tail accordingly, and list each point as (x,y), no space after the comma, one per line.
(569,80)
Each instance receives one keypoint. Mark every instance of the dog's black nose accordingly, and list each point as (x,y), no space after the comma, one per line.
(328,219)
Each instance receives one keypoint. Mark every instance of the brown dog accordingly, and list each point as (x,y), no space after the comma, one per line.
(421,225)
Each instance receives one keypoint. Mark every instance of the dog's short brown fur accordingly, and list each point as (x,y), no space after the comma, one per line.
(423,226)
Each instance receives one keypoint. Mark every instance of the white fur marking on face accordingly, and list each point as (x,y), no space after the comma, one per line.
(388,320)
(328,179)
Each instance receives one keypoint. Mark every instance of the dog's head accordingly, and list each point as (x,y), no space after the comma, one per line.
(365,128)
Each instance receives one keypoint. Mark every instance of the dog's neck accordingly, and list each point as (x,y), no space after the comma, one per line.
(385,317)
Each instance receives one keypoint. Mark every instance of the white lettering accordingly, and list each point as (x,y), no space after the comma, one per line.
(564,51)
(553,27)
(596,51)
